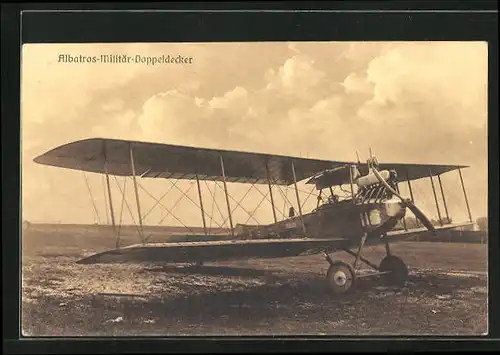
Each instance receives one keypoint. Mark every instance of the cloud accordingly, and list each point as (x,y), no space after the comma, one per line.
(113,105)
(163,116)
(297,74)
(356,83)
(449,73)
(418,102)
(234,99)
(433,95)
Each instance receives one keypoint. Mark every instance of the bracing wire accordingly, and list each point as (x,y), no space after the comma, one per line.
(158,201)
(212,208)
(105,199)
(122,205)
(92,198)
(192,200)
(215,202)
(128,207)
(308,196)
(269,200)
(238,204)
(256,208)
(285,198)
(224,219)
(184,194)
(170,210)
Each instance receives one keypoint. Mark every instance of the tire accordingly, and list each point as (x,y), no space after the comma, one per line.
(398,271)
(341,277)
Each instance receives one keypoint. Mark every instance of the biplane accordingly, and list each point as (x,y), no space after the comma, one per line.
(367,215)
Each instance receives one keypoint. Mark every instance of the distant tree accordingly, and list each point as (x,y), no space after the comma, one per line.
(26,224)
(443,220)
(447,220)
(411,222)
(482,223)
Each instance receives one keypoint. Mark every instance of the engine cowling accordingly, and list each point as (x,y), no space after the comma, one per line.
(371,179)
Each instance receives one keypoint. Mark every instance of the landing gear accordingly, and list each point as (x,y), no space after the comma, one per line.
(342,276)
(396,270)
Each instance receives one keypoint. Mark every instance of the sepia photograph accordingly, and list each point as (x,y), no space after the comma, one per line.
(254,189)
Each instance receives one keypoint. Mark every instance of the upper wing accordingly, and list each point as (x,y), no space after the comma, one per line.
(187,252)
(417,171)
(405,172)
(156,160)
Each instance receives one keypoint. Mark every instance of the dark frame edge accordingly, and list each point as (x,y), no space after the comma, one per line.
(10,146)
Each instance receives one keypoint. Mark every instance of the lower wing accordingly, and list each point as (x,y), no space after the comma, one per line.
(403,234)
(188,252)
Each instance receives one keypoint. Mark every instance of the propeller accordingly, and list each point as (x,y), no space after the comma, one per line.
(406,202)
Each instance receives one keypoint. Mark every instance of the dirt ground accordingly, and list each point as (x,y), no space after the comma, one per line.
(445,295)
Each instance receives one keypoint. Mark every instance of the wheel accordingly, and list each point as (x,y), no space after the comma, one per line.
(398,270)
(341,277)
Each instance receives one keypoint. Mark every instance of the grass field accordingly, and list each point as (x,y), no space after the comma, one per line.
(445,295)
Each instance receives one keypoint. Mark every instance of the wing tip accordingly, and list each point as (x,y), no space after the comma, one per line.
(39,159)
(87,260)
(99,258)
(43,158)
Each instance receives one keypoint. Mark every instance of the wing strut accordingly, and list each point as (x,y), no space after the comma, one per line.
(104,194)
(132,166)
(111,209)
(465,194)
(298,198)
(351,183)
(201,205)
(411,195)
(271,193)
(444,200)
(435,197)
(227,196)
(404,219)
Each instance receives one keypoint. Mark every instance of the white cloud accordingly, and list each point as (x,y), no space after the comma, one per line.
(387,97)
(118,125)
(297,74)
(235,98)
(448,74)
(113,105)
(356,83)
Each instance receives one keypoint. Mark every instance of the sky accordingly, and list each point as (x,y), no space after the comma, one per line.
(412,102)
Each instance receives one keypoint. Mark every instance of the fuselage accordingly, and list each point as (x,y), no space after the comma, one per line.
(343,219)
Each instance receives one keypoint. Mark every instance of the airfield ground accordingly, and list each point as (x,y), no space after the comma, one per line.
(446,294)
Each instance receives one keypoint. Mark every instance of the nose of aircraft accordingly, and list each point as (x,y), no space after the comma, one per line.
(395,208)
